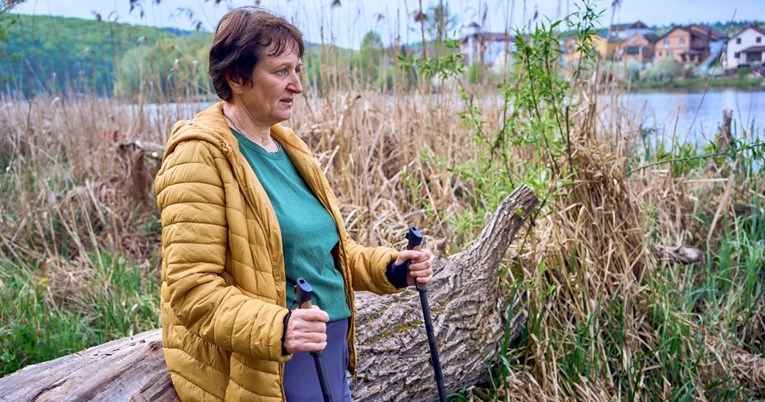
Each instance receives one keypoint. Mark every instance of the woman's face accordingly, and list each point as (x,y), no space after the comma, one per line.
(275,82)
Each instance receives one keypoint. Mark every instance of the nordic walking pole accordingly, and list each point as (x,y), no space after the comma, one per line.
(415,239)
(304,291)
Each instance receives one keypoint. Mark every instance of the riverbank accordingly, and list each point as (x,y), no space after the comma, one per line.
(699,84)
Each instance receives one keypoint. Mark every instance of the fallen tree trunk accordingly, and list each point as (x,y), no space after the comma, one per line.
(469,320)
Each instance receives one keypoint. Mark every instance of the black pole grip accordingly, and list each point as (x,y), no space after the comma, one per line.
(414,238)
(303,293)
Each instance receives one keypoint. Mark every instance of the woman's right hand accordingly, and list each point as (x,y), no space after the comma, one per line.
(306,330)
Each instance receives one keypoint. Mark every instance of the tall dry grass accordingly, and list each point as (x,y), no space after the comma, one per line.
(589,258)
(609,318)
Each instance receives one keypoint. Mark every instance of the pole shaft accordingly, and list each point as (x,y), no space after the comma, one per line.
(323,382)
(432,343)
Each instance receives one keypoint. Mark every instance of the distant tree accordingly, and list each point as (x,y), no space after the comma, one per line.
(52,54)
(664,70)
(369,58)
(669,69)
(6,20)
(327,67)
(438,23)
(171,69)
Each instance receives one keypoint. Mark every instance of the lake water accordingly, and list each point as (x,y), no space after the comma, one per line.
(693,117)
(696,117)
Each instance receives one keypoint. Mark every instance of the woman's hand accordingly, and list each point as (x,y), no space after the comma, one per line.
(419,266)
(306,330)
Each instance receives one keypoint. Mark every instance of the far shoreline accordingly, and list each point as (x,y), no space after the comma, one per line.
(697,85)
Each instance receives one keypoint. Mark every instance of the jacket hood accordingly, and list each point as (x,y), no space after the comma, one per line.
(210,125)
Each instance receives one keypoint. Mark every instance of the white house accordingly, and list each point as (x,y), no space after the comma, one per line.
(746,47)
(486,47)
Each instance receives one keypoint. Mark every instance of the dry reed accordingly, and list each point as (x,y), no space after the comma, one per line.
(78,189)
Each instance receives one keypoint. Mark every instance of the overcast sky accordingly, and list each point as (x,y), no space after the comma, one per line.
(346,24)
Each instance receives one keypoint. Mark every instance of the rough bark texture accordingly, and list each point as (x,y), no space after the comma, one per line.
(130,368)
(469,320)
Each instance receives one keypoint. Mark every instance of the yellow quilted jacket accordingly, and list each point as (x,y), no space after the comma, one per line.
(223,282)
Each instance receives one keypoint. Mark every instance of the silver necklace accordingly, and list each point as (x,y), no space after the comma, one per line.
(263,143)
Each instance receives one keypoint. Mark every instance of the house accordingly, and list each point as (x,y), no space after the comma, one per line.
(639,47)
(630,25)
(710,33)
(625,31)
(487,48)
(635,41)
(745,47)
(605,48)
(687,44)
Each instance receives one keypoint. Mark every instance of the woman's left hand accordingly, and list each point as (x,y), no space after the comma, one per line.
(419,267)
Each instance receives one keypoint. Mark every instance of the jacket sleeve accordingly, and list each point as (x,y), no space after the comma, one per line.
(191,200)
(368,266)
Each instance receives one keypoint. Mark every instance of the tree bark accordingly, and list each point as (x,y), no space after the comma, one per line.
(469,320)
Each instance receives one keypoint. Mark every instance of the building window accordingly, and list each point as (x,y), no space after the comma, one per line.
(669,53)
(737,55)
(738,41)
(682,41)
(666,42)
(661,53)
(759,39)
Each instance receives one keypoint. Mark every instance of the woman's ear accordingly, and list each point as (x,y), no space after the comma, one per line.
(235,84)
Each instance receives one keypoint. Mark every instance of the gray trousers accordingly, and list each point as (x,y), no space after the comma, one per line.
(301,383)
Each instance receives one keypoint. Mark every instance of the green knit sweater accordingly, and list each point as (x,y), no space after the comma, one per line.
(308,232)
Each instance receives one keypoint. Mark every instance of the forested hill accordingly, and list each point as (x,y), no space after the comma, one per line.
(50,54)
(42,54)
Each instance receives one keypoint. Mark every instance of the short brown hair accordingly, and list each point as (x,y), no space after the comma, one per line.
(240,38)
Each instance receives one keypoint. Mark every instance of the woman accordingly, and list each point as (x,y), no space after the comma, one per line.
(245,211)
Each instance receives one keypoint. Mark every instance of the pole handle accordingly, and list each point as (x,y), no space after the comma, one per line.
(414,240)
(303,293)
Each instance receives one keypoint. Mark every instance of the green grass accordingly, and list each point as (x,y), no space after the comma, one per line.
(701,83)
(719,298)
(44,318)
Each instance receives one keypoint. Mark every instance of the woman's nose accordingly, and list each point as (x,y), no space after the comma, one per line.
(295,85)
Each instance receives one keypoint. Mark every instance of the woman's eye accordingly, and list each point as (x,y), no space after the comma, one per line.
(282,71)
